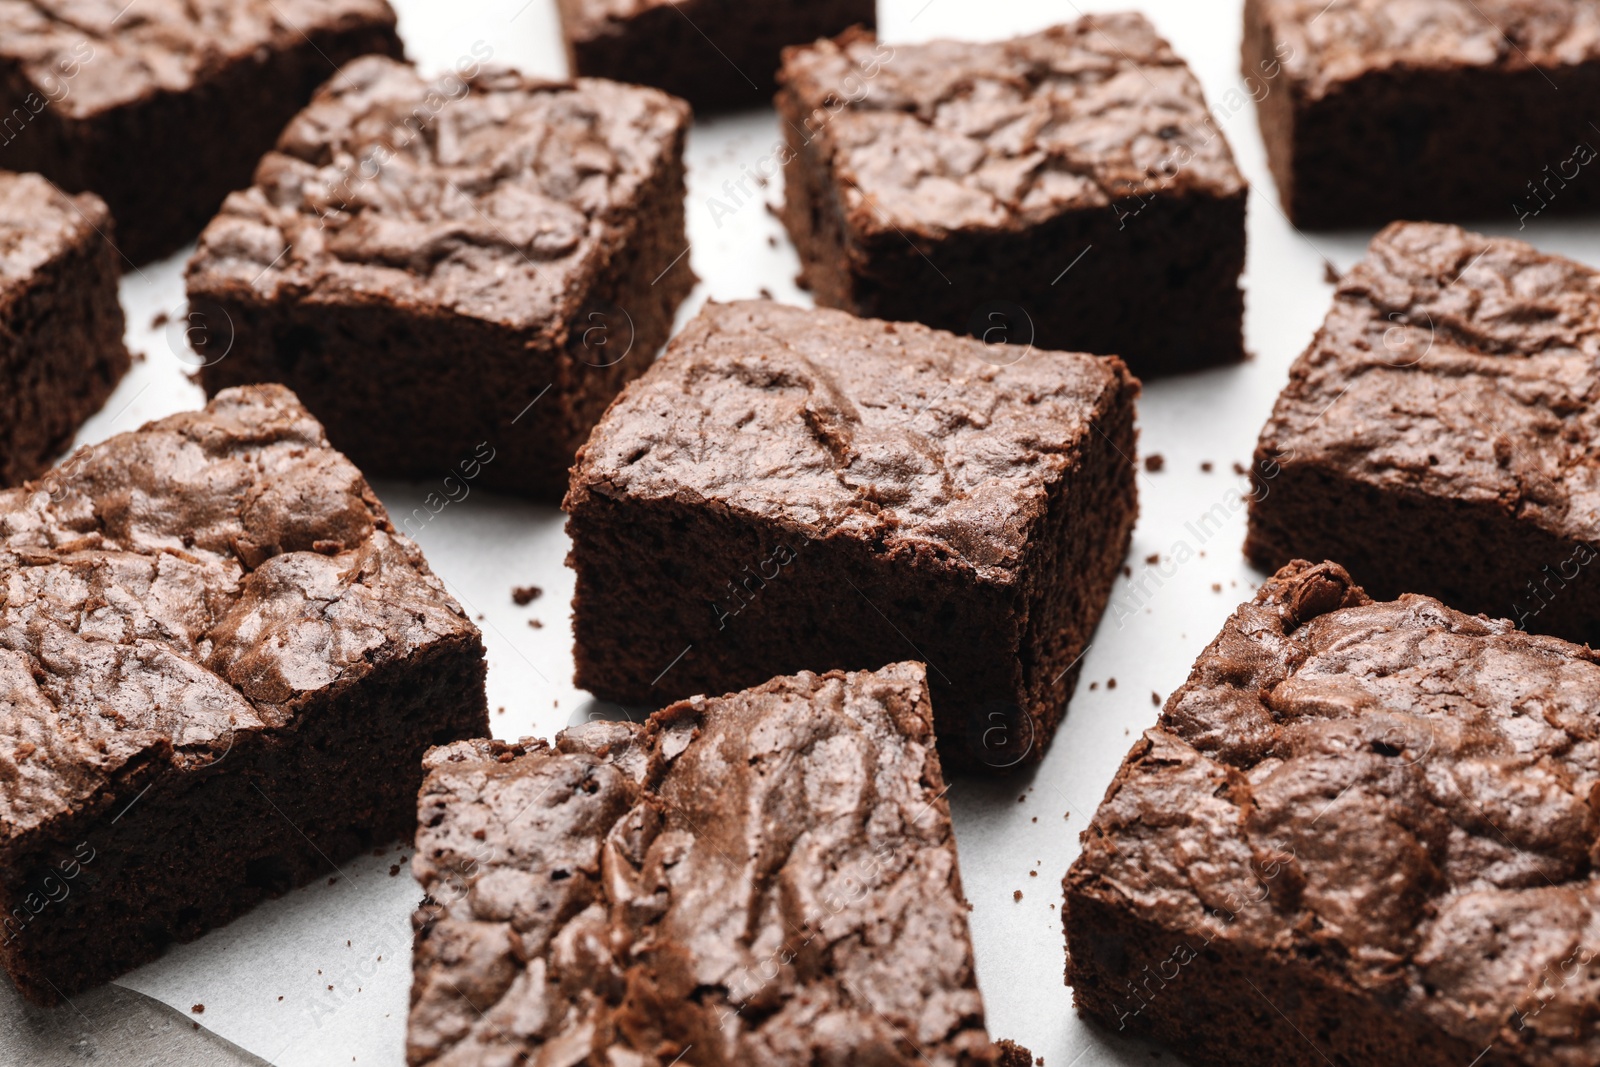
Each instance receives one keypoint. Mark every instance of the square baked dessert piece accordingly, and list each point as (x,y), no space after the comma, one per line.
(768,877)
(792,490)
(220,667)
(716,54)
(61,350)
(1068,189)
(1439,434)
(423,262)
(162,107)
(1440,109)
(1361,833)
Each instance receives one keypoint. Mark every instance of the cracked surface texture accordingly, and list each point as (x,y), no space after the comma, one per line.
(495,197)
(1338,42)
(1459,366)
(204,575)
(768,877)
(954,135)
(39,223)
(836,426)
(1396,794)
(118,53)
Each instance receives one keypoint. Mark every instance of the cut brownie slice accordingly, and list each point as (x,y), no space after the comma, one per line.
(1362,833)
(61,350)
(793,490)
(422,263)
(1373,111)
(716,54)
(1068,188)
(1439,434)
(763,878)
(220,667)
(162,107)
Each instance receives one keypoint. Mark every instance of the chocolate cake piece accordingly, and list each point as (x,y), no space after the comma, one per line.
(791,490)
(163,106)
(768,878)
(61,351)
(423,262)
(716,54)
(220,667)
(1438,435)
(1439,109)
(1067,188)
(1362,832)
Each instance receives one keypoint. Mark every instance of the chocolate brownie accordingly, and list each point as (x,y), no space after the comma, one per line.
(1361,833)
(1373,111)
(422,262)
(1439,434)
(163,106)
(794,490)
(1067,188)
(61,350)
(768,878)
(220,667)
(716,54)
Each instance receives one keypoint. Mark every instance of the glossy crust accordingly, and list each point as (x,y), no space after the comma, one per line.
(1440,109)
(61,350)
(1347,835)
(203,625)
(104,96)
(474,241)
(788,487)
(767,877)
(986,168)
(1438,435)
(716,54)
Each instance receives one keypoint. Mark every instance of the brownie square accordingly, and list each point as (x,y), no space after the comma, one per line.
(61,351)
(768,878)
(1437,436)
(1373,111)
(716,54)
(1068,189)
(1361,833)
(422,262)
(791,490)
(163,106)
(220,667)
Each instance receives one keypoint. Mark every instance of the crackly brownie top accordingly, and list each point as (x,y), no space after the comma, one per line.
(1331,43)
(768,877)
(40,223)
(893,433)
(86,56)
(1397,792)
(497,197)
(954,135)
(170,587)
(1460,366)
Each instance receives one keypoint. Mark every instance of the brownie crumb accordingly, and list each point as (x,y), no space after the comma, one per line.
(526,594)
(1155,462)
(772,240)
(1155,698)
(1152,559)
(1127,572)
(1205,466)
(1016,895)
(1111,683)
(394,871)
(1093,686)
(766,294)
(1330,273)
(199,1009)
(1240,469)
(160,320)
(535,624)
(333,881)
(1216,587)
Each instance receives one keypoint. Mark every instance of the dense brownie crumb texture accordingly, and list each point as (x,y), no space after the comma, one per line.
(1438,436)
(163,106)
(61,350)
(1439,109)
(510,236)
(959,183)
(220,667)
(792,489)
(768,877)
(1361,829)
(716,54)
